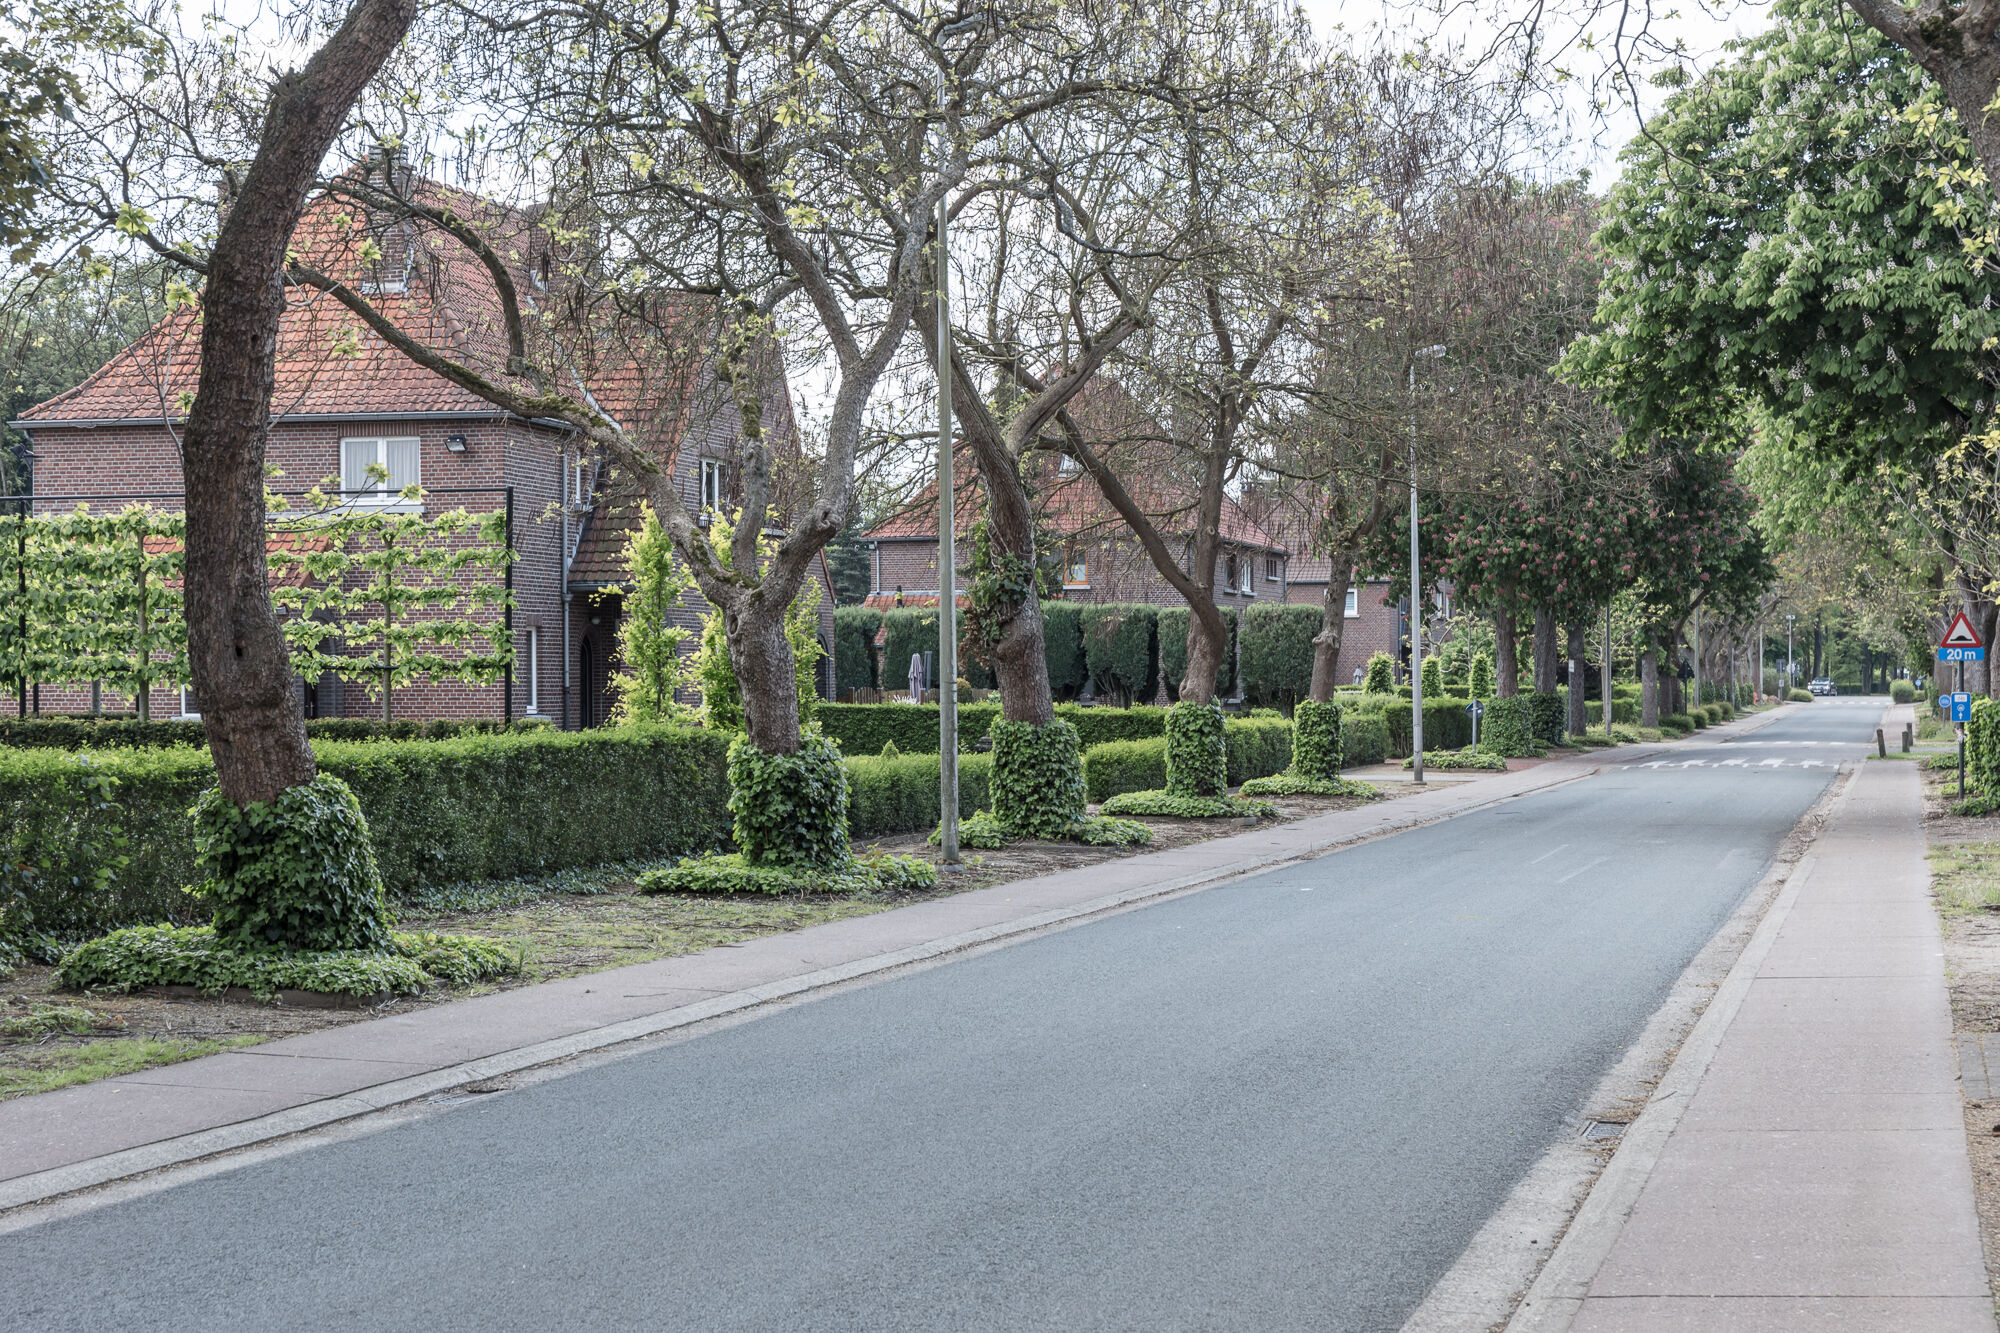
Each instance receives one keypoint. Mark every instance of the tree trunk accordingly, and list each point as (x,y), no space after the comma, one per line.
(1332,627)
(766,674)
(1506,654)
(1020,661)
(1545,650)
(1207,641)
(241,672)
(1578,719)
(1649,687)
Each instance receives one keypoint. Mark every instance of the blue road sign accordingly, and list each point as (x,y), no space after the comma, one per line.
(1961,654)
(1476,710)
(1960,705)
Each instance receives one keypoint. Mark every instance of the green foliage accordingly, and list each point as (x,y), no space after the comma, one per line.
(650,668)
(1982,745)
(1364,739)
(914,629)
(727,873)
(472,808)
(1168,805)
(1037,787)
(1173,632)
(1548,718)
(854,667)
(1122,766)
(790,809)
(1197,756)
(1508,729)
(1946,762)
(913,728)
(1381,674)
(1447,726)
(1676,724)
(1480,682)
(65,733)
(72,852)
(715,675)
(1979,805)
(1461,759)
(1316,741)
(1433,677)
(984,830)
(1276,652)
(1256,747)
(1062,648)
(1094,726)
(1293,784)
(1798,696)
(142,956)
(297,873)
(393,597)
(1787,236)
(1902,692)
(899,794)
(1121,650)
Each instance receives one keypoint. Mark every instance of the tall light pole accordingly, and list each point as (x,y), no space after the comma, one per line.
(1791,652)
(1416,597)
(947,538)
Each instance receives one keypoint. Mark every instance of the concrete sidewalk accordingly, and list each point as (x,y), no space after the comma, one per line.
(57,1142)
(1817,1177)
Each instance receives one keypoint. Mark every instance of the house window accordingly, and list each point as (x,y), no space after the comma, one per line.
(189,708)
(397,454)
(1077,573)
(534,671)
(1248,586)
(711,483)
(1271,568)
(1231,578)
(1354,601)
(1066,465)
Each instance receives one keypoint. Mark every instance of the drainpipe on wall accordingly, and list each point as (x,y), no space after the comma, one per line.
(562,493)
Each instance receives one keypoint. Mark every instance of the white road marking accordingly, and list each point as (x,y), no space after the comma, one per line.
(1772,763)
(1694,763)
(1580,869)
(1546,855)
(1732,763)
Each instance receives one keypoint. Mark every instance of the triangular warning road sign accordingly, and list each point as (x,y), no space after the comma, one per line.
(1961,634)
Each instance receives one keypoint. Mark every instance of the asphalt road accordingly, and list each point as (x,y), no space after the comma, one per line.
(1286,1103)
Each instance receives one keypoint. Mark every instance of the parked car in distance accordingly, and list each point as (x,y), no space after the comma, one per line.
(1822,686)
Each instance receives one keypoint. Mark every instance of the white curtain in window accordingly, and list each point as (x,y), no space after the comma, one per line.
(355,456)
(400,456)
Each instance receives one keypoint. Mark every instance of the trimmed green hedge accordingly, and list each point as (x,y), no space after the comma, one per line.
(1277,651)
(1121,649)
(914,629)
(1364,739)
(471,808)
(1902,692)
(67,733)
(854,665)
(899,794)
(1062,648)
(1197,754)
(863,729)
(1508,728)
(1447,726)
(1173,632)
(1257,746)
(1316,749)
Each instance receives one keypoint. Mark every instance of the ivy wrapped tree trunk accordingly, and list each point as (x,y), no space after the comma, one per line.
(1333,627)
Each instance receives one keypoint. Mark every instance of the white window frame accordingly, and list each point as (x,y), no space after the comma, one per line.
(1353,607)
(1067,466)
(534,671)
(387,496)
(1274,567)
(187,699)
(1076,571)
(1248,586)
(711,483)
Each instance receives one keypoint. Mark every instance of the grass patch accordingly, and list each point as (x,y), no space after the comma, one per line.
(1965,876)
(1166,805)
(1468,758)
(59,1065)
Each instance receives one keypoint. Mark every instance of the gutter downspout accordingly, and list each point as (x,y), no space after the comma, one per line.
(562,493)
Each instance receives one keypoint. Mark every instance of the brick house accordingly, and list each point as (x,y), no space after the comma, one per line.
(345,400)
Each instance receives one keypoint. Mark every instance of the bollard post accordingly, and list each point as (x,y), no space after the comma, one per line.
(1881,745)
(1906,738)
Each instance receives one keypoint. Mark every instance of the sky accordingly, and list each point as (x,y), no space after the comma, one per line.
(1699,26)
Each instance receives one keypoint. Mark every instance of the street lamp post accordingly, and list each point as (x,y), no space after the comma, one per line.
(947,549)
(1791,652)
(1416,599)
